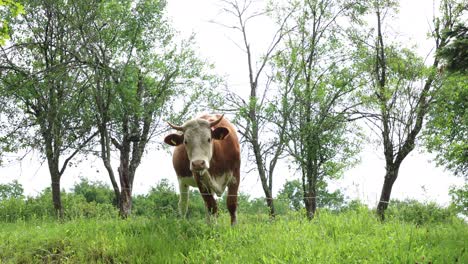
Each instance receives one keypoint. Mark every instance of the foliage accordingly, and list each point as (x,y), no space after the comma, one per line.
(351,237)
(140,74)
(160,200)
(418,213)
(447,125)
(13,190)
(249,205)
(397,98)
(460,199)
(97,191)
(42,86)
(293,194)
(455,54)
(258,114)
(317,82)
(446,129)
(40,208)
(8,9)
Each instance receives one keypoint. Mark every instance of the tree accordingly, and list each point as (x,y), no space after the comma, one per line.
(317,84)
(400,91)
(94,191)
(455,53)
(447,121)
(43,89)
(11,190)
(459,199)
(8,10)
(140,76)
(256,114)
(293,192)
(446,129)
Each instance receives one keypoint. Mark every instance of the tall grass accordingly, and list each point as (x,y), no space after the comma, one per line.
(91,232)
(349,237)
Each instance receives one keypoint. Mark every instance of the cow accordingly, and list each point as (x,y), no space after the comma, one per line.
(207,156)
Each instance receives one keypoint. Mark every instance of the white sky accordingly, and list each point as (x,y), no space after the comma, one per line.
(418,178)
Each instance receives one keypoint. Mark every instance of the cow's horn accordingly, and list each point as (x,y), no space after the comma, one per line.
(214,123)
(179,128)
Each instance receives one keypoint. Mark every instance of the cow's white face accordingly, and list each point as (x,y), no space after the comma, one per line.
(198,139)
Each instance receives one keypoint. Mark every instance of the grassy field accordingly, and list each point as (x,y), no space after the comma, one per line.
(351,237)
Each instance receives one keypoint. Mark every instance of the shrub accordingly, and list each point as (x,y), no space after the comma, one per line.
(11,190)
(354,205)
(459,201)
(95,191)
(418,213)
(162,200)
(76,206)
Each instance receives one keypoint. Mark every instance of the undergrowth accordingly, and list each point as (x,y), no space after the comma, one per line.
(348,237)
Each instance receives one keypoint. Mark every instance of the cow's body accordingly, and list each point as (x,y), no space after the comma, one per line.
(224,164)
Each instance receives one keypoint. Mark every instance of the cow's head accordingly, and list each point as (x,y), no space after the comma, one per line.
(197,136)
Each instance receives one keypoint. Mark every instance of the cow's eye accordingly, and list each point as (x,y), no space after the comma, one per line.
(185,142)
(209,140)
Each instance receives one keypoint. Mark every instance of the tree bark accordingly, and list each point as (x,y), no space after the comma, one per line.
(125,202)
(267,187)
(391,175)
(56,195)
(310,194)
(125,179)
(271,205)
(310,202)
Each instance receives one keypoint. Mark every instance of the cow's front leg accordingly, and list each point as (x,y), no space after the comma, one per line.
(183,199)
(210,202)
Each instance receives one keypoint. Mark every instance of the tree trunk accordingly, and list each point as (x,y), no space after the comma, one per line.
(310,199)
(391,175)
(311,206)
(266,183)
(126,187)
(267,190)
(56,197)
(125,202)
(114,184)
(55,178)
(270,204)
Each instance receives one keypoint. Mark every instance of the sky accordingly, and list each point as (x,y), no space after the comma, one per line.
(419,178)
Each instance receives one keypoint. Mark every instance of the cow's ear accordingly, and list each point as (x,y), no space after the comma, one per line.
(219,133)
(174,139)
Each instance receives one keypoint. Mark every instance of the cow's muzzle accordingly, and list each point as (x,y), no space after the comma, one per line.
(199,165)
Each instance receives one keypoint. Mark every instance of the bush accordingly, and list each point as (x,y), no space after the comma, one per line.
(11,190)
(76,206)
(41,207)
(353,205)
(459,201)
(419,213)
(161,200)
(95,191)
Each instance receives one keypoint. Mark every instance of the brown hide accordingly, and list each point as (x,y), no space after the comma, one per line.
(225,158)
(226,152)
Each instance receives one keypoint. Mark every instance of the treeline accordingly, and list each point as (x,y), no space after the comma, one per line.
(96,200)
(100,77)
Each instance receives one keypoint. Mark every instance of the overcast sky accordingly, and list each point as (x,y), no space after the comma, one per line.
(419,177)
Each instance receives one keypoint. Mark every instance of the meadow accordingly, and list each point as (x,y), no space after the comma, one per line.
(92,231)
(348,237)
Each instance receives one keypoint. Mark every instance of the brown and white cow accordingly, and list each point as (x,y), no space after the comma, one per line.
(207,156)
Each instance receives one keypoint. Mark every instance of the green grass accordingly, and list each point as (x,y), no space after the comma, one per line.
(351,237)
